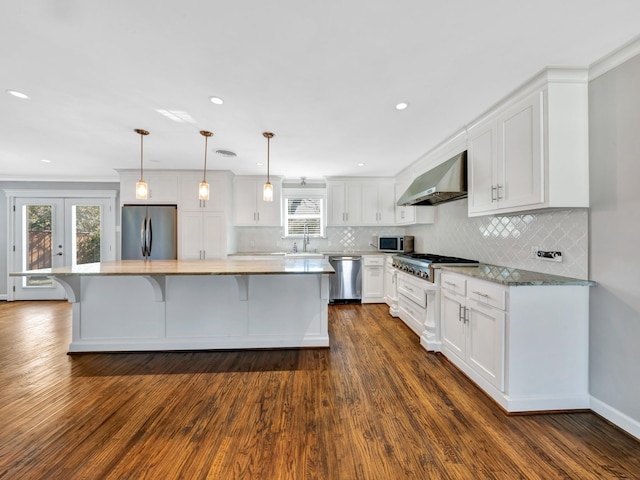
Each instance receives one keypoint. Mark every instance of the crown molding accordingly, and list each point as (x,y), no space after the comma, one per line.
(615,58)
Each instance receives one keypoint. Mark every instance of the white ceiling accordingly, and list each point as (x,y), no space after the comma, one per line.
(323,76)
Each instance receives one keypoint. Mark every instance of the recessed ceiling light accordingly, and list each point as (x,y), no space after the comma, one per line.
(18,94)
(361,164)
(216,100)
(402,105)
(226,153)
(44,160)
(259,164)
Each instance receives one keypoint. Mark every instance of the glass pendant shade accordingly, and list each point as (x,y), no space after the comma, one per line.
(203,188)
(203,191)
(267,192)
(142,190)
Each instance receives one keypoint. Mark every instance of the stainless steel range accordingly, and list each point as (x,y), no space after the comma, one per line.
(422,264)
(418,293)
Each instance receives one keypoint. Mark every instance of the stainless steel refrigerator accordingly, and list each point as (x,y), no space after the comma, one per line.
(149,231)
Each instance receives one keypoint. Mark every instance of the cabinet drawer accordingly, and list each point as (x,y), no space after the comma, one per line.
(372,260)
(412,314)
(412,290)
(487,293)
(454,282)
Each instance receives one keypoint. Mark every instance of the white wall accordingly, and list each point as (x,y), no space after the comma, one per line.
(614,109)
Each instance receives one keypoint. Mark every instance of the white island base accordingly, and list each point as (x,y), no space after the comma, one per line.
(115,313)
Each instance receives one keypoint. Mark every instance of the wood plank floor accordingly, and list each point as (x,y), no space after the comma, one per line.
(373,406)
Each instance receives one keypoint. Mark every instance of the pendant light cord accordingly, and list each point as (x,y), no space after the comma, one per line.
(268,152)
(204,174)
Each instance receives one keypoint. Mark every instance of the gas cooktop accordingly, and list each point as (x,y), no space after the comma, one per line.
(420,264)
(432,258)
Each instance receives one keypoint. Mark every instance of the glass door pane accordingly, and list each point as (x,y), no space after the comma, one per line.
(86,225)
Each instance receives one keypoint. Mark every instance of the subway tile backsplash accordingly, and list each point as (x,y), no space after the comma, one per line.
(502,240)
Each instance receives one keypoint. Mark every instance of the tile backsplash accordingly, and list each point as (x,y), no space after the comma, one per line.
(501,240)
(507,240)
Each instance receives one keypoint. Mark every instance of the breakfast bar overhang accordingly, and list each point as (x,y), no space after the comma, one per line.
(166,305)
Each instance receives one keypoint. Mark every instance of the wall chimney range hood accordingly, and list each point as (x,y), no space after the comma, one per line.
(443,183)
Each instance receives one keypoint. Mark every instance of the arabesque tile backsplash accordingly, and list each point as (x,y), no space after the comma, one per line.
(501,240)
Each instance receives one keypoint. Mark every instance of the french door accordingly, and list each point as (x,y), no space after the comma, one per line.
(50,232)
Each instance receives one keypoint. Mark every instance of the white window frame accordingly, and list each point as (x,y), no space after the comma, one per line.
(314,193)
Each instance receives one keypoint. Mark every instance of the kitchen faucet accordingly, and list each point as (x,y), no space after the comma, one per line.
(305,238)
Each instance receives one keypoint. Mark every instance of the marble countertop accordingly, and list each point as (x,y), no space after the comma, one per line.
(275,266)
(514,276)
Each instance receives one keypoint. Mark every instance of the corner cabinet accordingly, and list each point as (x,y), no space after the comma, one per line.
(248,207)
(531,151)
(526,346)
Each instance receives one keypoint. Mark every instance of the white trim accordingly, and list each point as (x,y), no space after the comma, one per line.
(50,179)
(38,193)
(3,298)
(625,422)
(615,58)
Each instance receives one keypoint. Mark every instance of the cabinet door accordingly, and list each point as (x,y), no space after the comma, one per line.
(403,215)
(485,347)
(353,203)
(336,204)
(386,203)
(244,202)
(370,211)
(214,243)
(190,235)
(453,327)
(189,193)
(482,164)
(269,213)
(521,171)
(373,283)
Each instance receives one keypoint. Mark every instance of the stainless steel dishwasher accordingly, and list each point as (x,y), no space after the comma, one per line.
(346,284)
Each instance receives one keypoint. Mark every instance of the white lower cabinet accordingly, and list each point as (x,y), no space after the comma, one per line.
(373,279)
(202,235)
(525,345)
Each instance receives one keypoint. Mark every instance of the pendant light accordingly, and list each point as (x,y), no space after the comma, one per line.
(267,190)
(142,189)
(203,189)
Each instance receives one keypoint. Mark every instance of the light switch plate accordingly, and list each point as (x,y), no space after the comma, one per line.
(550,256)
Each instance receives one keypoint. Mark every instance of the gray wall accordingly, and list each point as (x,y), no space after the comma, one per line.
(614,109)
(69,186)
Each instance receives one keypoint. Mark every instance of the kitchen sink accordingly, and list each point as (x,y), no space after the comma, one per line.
(304,255)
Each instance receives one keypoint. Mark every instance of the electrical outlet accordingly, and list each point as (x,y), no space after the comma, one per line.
(550,256)
(534,252)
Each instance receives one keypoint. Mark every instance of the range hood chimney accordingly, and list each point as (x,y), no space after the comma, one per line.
(443,183)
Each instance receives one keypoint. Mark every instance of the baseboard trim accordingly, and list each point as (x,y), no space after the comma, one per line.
(619,419)
(3,297)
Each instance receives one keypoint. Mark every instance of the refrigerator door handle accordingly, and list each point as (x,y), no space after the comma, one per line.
(143,236)
(149,237)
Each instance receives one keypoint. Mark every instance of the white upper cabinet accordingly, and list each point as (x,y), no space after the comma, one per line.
(531,151)
(378,203)
(219,189)
(344,203)
(248,207)
(163,187)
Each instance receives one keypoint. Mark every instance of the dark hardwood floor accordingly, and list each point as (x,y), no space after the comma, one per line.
(373,406)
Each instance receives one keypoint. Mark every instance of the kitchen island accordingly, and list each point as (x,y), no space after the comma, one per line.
(164,305)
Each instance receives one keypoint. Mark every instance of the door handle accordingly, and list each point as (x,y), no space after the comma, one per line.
(59,254)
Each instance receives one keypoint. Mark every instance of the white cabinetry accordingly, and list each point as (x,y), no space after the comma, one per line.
(412,301)
(248,207)
(411,215)
(531,151)
(202,235)
(472,331)
(373,279)
(525,345)
(344,203)
(378,203)
(219,186)
(163,187)
(391,286)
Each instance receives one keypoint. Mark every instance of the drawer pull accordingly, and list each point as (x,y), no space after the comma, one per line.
(485,295)
(450,283)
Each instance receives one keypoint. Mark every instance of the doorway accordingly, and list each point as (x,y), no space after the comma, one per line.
(52,231)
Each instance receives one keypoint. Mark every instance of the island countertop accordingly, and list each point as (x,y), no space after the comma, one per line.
(275,266)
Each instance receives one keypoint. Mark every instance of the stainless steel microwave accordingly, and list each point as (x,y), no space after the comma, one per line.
(398,244)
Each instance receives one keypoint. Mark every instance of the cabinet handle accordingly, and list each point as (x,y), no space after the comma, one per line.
(485,295)
(204,254)
(450,283)
(498,192)
(466,315)
(460,312)
(258,216)
(494,189)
